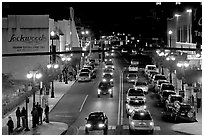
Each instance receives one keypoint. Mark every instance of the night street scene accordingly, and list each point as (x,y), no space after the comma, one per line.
(101,68)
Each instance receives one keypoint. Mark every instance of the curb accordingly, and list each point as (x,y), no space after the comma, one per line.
(185,133)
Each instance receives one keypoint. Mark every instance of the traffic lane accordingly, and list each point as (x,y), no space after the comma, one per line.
(105,104)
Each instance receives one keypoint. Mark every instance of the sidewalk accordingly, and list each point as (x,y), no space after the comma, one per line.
(194,128)
(52,128)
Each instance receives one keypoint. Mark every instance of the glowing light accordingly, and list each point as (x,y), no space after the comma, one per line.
(38,75)
(29,76)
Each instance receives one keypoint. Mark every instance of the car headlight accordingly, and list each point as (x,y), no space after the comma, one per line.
(111,73)
(131,110)
(112,66)
(111,80)
(110,90)
(111,54)
(88,125)
(145,106)
(106,66)
(151,123)
(105,59)
(103,73)
(104,80)
(132,123)
(99,91)
(101,125)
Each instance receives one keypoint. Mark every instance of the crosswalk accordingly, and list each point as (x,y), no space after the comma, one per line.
(125,127)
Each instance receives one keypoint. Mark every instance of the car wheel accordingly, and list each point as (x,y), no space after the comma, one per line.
(152,131)
(111,95)
(105,131)
(127,115)
(98,96)
(86,131)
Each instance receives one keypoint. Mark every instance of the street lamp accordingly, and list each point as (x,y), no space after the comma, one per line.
(34,75)
(183,65)
(170,33)
(52,66)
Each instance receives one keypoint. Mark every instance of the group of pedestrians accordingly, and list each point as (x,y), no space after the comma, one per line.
(37,117)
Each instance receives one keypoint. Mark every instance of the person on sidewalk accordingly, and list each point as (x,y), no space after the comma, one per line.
(23,117)
(18,116)
(37,116)
(47,113)
(34,113)
(10,125)
(40,112)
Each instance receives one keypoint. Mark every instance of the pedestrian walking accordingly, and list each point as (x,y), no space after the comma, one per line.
(47,113)
(40,112)
(10,125)
(23,117)
(198,96)
(34,113)
(18,116)
(37,116)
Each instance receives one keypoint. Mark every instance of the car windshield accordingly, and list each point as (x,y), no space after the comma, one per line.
(133,92)
(107,76)
(151,68)
(185,107)
(136,102)
(141,84)
(159,77)
(133,65)
(142,116)
(132,75)
(109,63)
(104,84)
(83,74)
(96,116)
(176,99)
(85,70)
(166,94)
(167,87)
(108,70)
(160,82)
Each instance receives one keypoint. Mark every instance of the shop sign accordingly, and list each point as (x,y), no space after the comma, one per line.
(197,26)
(28,40)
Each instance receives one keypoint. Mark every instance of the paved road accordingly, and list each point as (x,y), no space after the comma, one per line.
(82,99)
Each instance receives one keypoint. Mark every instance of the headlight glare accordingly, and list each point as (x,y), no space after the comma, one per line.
(88,125)
(101,125)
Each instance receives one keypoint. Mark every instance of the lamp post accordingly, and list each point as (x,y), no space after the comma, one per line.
(183,65)
(171,59)
(52,66)
(170,33)
(34,75)
(66,59)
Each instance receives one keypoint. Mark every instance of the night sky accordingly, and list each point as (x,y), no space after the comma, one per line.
(128,17)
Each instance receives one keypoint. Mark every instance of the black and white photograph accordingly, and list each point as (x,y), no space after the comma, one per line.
(101,67)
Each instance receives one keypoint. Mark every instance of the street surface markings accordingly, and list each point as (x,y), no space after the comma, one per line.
(155,127)
(63,116)
(109,127)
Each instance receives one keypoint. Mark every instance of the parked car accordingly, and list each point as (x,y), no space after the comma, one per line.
(141,120)
(108,78)
(96,121)
(108,71)
(158,85)
(156,78)
(169,103)
(164,95)
(132,77)
(183,111)
(134,104)
(141,85)
(109,64)
(134,62)
(150,67)
(166,86)
(105,88)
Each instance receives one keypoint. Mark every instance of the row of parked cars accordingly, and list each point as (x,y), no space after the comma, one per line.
(169,98)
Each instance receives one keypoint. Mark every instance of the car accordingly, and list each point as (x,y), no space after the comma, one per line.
(158,85)
(141,120)
(105,88)
(134,62)
(96,121)
(156,78)
(166,86)
(87,69)
(150,67)
(183,111)
(132,77)
(151,75)
(108,71)
(151,72)
(124,50)
(164,95)
(171,99)
(133,68)
(108,78)
(141,85)
(133,93)
(109,64)
(84,76)
(133,104)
